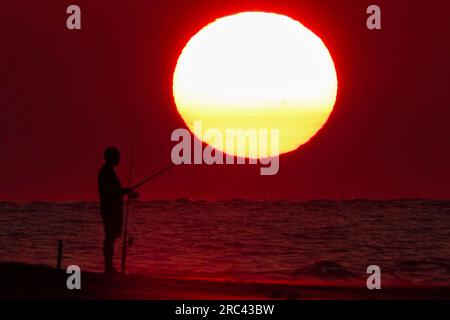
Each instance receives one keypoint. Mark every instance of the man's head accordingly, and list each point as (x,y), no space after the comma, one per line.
(112,156)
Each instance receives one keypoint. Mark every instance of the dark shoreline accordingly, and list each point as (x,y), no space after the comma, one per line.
(22,281)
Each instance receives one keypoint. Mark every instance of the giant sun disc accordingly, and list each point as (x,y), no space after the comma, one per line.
(256,70)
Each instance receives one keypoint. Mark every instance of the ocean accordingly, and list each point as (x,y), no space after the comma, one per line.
(244,240)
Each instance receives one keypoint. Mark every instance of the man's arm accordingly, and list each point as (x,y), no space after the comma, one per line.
(125,191)
(130,193)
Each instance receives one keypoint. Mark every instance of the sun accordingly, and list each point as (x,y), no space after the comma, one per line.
(259,71)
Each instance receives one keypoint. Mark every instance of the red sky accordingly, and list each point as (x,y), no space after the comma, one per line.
(66,95)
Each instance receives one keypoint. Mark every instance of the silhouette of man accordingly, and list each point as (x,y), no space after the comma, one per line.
(111,204)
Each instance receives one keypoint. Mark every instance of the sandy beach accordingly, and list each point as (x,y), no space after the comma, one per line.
(21,281)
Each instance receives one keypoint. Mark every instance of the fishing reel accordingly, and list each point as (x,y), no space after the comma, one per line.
(130,241)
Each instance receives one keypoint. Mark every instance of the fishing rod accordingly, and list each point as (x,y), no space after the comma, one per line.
(128,203)
(160,172)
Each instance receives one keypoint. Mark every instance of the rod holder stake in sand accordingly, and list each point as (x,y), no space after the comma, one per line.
(60,251)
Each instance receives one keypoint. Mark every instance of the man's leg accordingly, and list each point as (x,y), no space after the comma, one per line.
(108,252)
